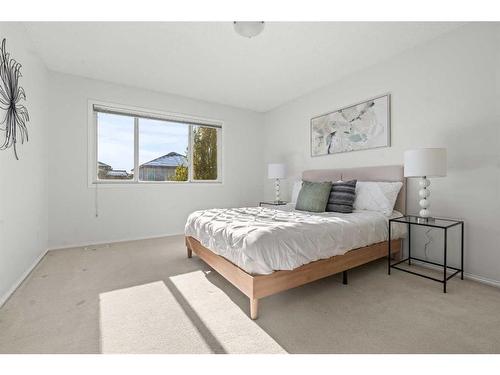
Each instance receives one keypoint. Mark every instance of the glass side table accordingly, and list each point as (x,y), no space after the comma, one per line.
(439,223)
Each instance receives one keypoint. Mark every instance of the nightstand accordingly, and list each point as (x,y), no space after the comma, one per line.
(272,203)
(443,224)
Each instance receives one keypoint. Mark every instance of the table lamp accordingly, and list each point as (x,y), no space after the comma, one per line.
(276,171)
(423,163)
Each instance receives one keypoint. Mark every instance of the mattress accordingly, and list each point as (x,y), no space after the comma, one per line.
(262,240)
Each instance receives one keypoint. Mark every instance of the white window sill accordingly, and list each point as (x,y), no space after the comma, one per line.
(108,184)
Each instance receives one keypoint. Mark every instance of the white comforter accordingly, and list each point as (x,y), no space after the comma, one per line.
(262,240)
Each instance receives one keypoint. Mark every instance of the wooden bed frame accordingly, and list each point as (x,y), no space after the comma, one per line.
(260,286)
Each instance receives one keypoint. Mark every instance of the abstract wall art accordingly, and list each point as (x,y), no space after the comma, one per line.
(357,127)
(13,114)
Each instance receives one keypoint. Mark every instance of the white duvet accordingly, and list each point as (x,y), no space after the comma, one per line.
(262,240)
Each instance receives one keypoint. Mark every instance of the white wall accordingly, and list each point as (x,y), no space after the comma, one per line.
(23,183)
(444,93)
(133,211)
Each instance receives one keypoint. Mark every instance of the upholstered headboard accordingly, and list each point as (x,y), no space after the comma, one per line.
(382,173)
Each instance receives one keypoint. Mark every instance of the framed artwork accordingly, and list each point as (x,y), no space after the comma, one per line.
(360,126)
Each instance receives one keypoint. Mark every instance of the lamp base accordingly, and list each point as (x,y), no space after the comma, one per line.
(424,194)
(277,189)
(424,213)
(425,219)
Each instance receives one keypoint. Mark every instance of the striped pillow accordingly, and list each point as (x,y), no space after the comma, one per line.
(342,197)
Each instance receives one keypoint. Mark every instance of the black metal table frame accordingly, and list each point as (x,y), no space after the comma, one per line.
(446,277)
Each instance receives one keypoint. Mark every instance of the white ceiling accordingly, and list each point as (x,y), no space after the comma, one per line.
(209,61)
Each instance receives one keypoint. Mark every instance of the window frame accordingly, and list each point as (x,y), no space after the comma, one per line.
(136,113)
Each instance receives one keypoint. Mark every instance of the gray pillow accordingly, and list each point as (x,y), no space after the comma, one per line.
(342,197)
(313,196)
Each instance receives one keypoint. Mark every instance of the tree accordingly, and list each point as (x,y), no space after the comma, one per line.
(204,153)
(204,156)
(181,173)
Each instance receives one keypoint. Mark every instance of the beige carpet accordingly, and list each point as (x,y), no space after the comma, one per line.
(147,297)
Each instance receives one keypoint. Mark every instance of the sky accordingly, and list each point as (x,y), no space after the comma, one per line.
(156,138)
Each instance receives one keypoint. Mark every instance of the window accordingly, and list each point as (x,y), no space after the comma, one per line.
(163,151)
(115,148)
(204,153)
(136,146)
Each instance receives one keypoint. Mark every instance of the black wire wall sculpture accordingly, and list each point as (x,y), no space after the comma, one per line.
(13,123)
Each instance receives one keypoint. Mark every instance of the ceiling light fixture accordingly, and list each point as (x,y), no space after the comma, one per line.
(248,29)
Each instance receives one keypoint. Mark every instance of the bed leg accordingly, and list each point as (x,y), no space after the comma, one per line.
(344,277)
(254,308)
(398,255)
(188,248)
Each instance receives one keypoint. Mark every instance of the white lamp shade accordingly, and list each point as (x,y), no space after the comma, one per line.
(428,162)
(276,171)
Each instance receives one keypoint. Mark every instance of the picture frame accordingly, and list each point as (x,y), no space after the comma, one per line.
(361,126)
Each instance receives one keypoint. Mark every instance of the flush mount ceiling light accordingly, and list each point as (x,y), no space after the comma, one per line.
(248,29)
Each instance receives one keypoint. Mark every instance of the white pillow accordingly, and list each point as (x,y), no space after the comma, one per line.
(297,185)
(376,196)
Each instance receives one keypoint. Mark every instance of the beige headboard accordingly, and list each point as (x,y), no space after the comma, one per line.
(382,173)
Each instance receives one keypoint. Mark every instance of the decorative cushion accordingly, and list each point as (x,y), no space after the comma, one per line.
(297,185)
(377,196)
(342,197)
(313,196)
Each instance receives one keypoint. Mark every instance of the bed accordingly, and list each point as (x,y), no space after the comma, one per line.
(264,251)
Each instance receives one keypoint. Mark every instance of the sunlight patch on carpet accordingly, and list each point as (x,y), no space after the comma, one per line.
(147,319)
(228,324)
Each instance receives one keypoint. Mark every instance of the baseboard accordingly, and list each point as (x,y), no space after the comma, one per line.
(16,285)
(93,243)
(470,276)
(482,280)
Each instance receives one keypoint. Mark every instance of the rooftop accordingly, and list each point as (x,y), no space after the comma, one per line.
(117,173)
(104,165)
(172,159)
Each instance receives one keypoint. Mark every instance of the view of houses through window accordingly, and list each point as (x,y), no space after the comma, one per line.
(162,149)
(115,146)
